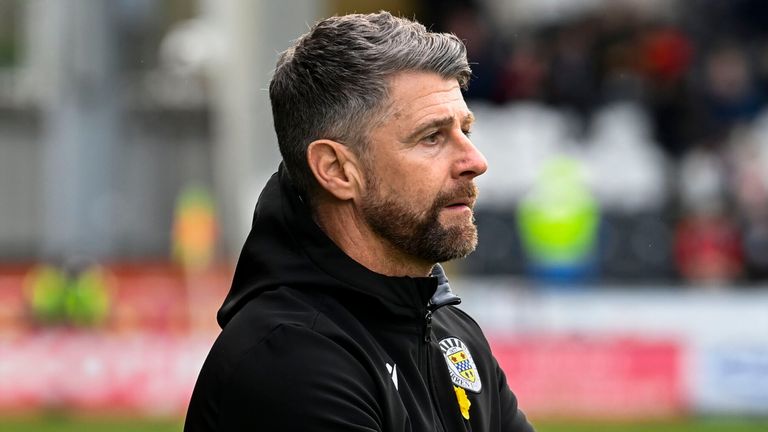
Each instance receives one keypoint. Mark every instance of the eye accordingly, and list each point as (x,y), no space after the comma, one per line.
(433,139)
(467,132)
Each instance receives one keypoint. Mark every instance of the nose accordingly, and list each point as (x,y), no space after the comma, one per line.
(471,163)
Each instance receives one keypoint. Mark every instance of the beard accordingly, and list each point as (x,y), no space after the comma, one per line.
(419,233)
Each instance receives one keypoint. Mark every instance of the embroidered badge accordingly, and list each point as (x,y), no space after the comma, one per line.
(460,364)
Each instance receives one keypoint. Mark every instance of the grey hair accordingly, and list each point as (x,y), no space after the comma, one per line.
(333,82)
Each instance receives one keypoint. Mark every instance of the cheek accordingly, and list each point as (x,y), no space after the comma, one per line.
(417,192)
(413,183)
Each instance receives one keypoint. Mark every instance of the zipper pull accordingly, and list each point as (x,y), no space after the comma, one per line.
(428,326)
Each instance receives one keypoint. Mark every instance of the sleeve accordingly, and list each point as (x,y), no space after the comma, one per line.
(512,417)
(298,380)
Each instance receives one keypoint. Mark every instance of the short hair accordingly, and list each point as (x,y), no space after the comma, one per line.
(333,81)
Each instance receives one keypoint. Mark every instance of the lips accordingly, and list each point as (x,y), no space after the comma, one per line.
(463,196)
(462,202)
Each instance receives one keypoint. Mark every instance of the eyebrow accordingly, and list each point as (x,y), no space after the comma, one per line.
(439,123)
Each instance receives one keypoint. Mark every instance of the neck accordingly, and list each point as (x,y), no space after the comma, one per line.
(344,224)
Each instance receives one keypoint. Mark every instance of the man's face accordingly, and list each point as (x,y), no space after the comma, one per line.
(419,190)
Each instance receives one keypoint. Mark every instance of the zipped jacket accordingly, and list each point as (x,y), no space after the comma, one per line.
(313,341)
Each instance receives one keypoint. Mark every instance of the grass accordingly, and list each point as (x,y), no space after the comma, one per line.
(72,424)
(677,425)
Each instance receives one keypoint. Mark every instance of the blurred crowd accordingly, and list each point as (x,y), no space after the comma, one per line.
(627,139)
(662,103)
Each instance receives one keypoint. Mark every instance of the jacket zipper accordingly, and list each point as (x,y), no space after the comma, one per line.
(426,336)
(426,364)
(428,326)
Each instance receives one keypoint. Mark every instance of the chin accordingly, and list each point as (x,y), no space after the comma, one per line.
(458,243)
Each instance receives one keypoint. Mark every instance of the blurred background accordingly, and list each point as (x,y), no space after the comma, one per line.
(622,270)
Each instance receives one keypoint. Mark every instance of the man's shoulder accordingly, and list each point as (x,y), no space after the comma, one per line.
(302,320)
(292,348)
(453,316)
(286,373)
(453,322)
(260,317)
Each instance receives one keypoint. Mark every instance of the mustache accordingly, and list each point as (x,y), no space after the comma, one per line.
(463,191)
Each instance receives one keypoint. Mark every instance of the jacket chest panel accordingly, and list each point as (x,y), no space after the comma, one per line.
(423,382)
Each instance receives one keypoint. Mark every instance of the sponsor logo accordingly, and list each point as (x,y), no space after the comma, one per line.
(392,369)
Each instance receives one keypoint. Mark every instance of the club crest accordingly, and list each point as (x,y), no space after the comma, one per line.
(460,364)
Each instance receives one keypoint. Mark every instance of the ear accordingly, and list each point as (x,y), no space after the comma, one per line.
(335,167)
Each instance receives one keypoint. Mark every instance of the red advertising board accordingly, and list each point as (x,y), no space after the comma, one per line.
(596,378)
(593,377)
(93,372)
(145,357)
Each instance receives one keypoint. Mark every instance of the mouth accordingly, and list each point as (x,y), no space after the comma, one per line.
(461,203)
(461,199)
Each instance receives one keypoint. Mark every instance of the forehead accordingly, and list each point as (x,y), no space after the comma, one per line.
(416,96)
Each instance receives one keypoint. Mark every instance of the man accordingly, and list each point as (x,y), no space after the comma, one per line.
(340,317)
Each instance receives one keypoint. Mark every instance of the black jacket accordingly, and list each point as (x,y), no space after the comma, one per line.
(314,341)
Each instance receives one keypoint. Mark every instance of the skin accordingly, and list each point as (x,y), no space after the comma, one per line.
(419,152)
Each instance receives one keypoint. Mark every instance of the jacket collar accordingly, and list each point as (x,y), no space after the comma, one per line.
(286,248)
